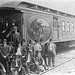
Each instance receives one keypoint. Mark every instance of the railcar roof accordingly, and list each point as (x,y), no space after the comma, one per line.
(12,4)
(15,4)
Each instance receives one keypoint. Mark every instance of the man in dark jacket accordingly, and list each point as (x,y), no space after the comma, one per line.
(44,50)
(45,53)
(5,50)
(16,37)
(24,54)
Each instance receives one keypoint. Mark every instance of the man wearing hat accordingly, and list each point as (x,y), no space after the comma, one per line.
(5,53)
(5,48)
(12,29)
(5,29)
(16,37)
(6,24)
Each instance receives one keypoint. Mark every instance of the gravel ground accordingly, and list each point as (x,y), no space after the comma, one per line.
(65,64)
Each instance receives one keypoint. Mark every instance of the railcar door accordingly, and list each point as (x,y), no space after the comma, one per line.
(7,19)
(55,28)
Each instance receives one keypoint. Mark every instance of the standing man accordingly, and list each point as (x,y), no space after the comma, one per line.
(5,30)
(51,53)
(42,45)
(11,30)
(16,37)
(37,48)
(45,53)
(5,50)
(25,55)
(24,46)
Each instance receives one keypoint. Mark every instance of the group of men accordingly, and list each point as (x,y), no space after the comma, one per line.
(7,49)
(34,53)
(39,53)
(47,50)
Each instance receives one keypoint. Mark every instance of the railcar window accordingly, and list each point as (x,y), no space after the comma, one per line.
(55,22)
(71,27)
(63,26)
(67,27)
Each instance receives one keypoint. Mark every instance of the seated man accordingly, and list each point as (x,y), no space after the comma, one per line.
(24,55)
(13,63)
(11,54)
(17,63)
(39,62)
(33,66)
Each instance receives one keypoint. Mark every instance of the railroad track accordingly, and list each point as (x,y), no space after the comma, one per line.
(56,66)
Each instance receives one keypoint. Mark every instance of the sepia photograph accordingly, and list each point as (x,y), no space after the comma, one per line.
(37,37)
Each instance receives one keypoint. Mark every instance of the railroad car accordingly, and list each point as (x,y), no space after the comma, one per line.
(37,22)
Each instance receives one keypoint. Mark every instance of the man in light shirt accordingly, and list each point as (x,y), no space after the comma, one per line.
(51,53)
(37,48)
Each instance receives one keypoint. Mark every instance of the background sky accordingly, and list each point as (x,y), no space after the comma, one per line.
(67,6)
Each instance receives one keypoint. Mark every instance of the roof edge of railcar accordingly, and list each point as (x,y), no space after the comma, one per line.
(10,4)
(16,4)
